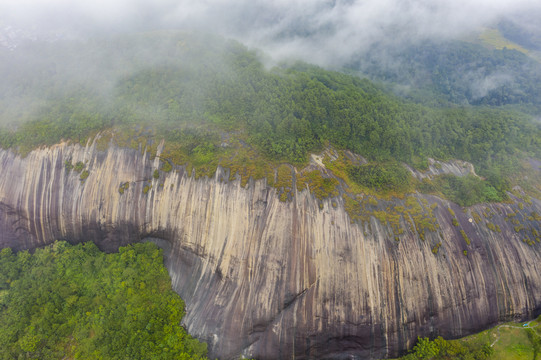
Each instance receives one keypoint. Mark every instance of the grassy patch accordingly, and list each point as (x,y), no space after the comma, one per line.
(511,341)
(493,38)
(318,185)
(284,182)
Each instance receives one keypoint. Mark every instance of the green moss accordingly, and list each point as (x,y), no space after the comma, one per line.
(393,218)
(535,216)
(420,216)
(455,222)
(156,174)
(465,252)
(495,228)
(146,189)
(509,216)
(488,213)
(465,237)
(84,175)
(123,187)
(436,248)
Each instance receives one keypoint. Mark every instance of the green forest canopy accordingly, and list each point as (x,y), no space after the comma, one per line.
(91,305)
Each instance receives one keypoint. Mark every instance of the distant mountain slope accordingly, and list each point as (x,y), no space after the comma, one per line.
(457,73)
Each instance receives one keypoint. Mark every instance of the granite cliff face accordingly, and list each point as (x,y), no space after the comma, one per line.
(273,279)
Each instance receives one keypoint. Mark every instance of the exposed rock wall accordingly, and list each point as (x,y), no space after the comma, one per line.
(435,168)
(275,279)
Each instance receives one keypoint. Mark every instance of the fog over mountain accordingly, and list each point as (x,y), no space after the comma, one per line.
(321,31)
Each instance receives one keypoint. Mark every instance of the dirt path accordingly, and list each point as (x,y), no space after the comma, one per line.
(512,326)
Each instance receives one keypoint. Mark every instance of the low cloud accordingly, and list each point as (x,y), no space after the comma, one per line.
(481,86)
(323,31)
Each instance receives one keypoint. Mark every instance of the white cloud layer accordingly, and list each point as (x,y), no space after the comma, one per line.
(321,31)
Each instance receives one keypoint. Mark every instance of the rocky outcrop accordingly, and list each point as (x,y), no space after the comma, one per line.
(435,168)
(273,279)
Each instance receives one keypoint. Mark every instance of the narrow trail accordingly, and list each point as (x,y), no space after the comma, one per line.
(515,327)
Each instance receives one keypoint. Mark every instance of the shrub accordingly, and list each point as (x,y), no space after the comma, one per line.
(166,166)
(382,176)
(84,175)
(68,165)
(466,238)
(79,166)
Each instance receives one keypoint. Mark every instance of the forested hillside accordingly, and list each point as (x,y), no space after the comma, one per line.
(78,302)
(191,90)
(457,72)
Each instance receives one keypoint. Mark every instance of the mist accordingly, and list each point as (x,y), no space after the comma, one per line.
(325,32)
(43,53)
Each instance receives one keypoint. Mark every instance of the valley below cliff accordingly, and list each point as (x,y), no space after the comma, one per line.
(301,278)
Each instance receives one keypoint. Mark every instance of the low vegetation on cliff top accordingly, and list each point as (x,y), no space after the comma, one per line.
(76,302)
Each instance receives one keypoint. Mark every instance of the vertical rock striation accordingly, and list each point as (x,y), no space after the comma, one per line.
(275,279)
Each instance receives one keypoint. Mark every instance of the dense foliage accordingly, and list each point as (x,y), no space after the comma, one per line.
(384,176)
(467,190)
(68,301)
(440,348)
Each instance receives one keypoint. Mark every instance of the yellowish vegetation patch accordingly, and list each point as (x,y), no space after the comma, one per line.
(321,187)
(493,38)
